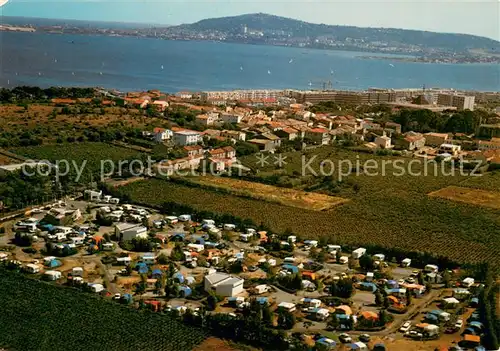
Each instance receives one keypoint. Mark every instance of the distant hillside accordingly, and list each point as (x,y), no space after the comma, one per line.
(276,26)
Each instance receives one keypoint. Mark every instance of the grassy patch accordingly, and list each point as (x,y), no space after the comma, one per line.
(470,196)
(283,196)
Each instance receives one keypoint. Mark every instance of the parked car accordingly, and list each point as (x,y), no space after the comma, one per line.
(345,338)
(414,334)
(405,327)
(253,268)
(459,324)
(410,280)
(364,338)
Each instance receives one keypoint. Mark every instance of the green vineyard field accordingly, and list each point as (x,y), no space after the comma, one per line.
(40,316)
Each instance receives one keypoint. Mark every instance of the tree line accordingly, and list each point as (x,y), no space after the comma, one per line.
(30,93)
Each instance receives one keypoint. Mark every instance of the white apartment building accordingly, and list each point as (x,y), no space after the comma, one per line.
(461,102)
(231,118)
(184,138)
(241,94)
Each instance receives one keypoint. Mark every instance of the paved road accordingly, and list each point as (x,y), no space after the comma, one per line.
(108,277)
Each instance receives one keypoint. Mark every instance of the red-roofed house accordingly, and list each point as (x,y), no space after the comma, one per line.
(208,119)
(221,158)
(412,141)
(233,134)
(318,136)
(193,150)
(137,102)
(160,105)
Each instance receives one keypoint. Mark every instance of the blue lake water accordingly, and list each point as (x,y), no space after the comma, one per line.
(127,64)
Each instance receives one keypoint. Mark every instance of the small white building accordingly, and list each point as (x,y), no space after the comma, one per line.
(383,142)
(215,231)
(261,289)
(450,149)
(246,237)
(431,268)
(187,256)
(108,246)
(32,268)
(311,243)
(450,302)
(333,248)
(162,134)
(48,259)
(171,219)
(356,254)
(359,346)
(229,227)
(77,272)
(52,275)
(468,282)
(127,231)
(321,314)
(406,262)
(343,259)
(223,284)
(186,137)
(96,288)
(461,293)
(196,247)
(308,285)
(369,276)
(124,260)
(78,240)
(308,302)
(148,258)
(93,195)
(287,306)
(207,222)
(379,257)
(185,218)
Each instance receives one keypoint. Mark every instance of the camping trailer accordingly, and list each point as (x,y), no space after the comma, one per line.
(356,254)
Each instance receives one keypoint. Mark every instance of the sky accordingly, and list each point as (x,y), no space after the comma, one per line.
(479,17)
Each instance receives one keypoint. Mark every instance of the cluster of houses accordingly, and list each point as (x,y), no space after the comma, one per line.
(199,251)
(269,130)
(217,160)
